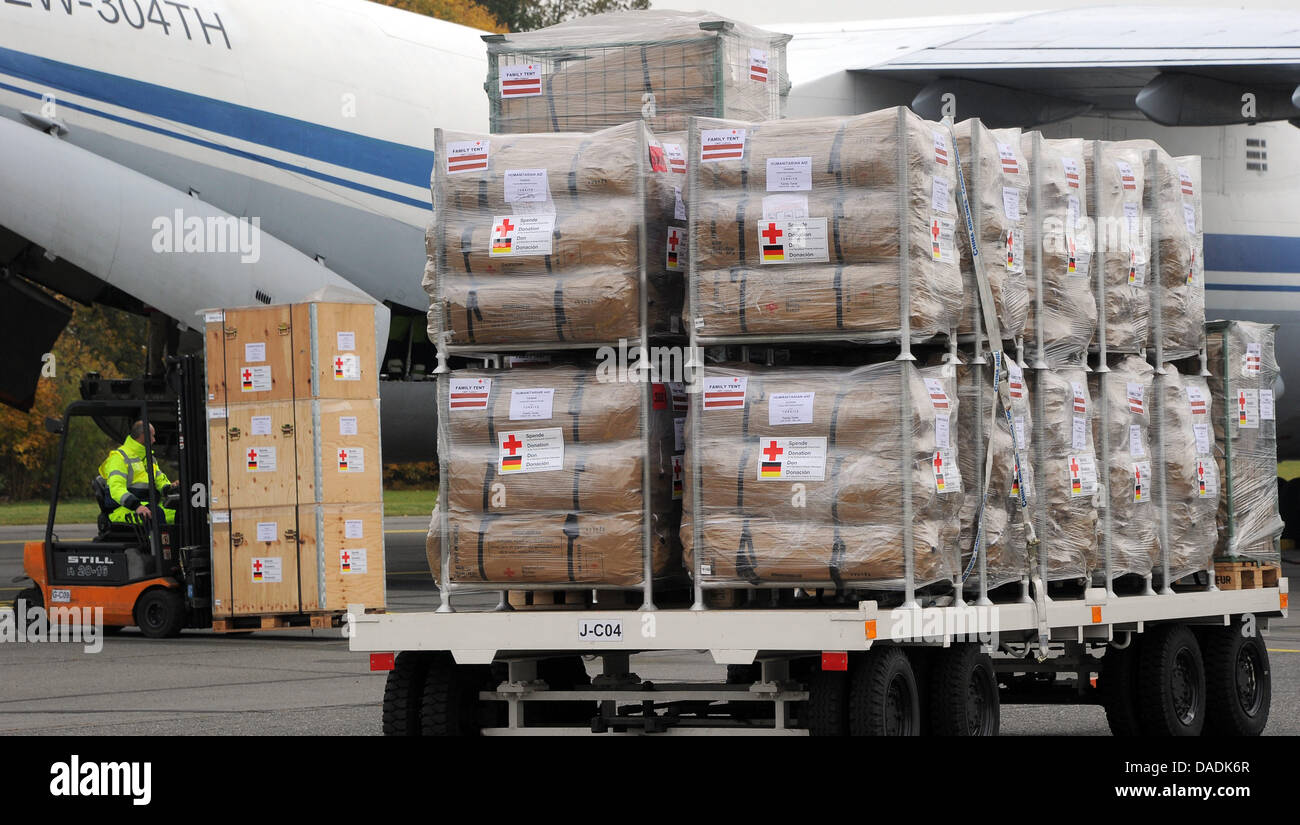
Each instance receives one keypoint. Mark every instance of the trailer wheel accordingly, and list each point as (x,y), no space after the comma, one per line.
(964,693)
(1238,683)
(1118,685)
(1171,689)
(404,693)
(451,702)
(160,613)
(744,674)
(828,701)
(562,673)
(883,699)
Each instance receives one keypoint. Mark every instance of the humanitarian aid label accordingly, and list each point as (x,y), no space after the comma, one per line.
(1266,412)
(345,341)
(943,233)
(260,459)
(724,393)
(255,379)
(216,413)
(1011,203)
(353,528)
(527,186)
(1022,439)
(1135,446)
(259,425)
(530,451)
(533,404)
(679,205)
(1248,409)
(1189,217)
(347,367)
(1079,433)
(789,408)
(793,241)
(789,174)
(1141,482)
(721,144)
(1201,434)
(1082,474)
(675,248)
(1015,242)
(254,352)
(267,569)
(515,235)
(679,434)
(947,476)
(352,560)
(469,393)
(352,459)
(467,156)
(347,425)
(266,531)
(942,431)
(939,195)
(785,207)
(792,459)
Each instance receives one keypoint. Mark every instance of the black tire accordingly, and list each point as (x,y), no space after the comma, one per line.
(1171,687)
(562,673)
(744,674)
(160,613)
(1117,685)
(1238,682)
(883,698)
(404,694)
(1288,501)
(922,659)
(828,703)
(963,693)
(112,629)
(32,596)
(451,704)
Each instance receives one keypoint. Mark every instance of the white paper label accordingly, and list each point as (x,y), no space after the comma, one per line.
(467,156)
(60,595)
(352,528)
(676,156)
(530,451)
(939,196)
(1189,217)
(254,352)
(346,341)
(1015,380)
(522,80)
(947,475)
(938,395)
(1207,478)
(1248,409)
(721,144)
(1082,474)
(515,235)
(214,317)
(1196,400)
(679,205)
(940,149)
(1079,433)
(260,459)
(1253,360)
(259,425)
(1201,433)
(789,174)
(600,630)
(221,517)
(1071,166)
(527,186)
(347,425)
(942,237)
(255,379)
(352,459)
(267,570)
(531,404)
(1141,482)
(724,393)
(469,393)
(793,242)
(1080,398)
(1007,154)
(675,249)
(1126,177)
(1135,447)
(789,408)
(792,459)
(1185,181)
(347,367)
(758,65)
(679,474)
(1266,406)
(785,207)
(266,531)
(1136,398)
(352,560)
(1011,203)
(1022,441)
(942,431)
(679,434)
(216,413)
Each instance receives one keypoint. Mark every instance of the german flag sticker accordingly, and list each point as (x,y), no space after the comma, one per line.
(512,462)
(773,253)
(771,469)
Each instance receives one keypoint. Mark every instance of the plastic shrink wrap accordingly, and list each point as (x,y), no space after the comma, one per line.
(1060,239)
(1191,472)
(538,239)
(997,184)
(1243,378)
(805,227)
(542,478)
(1066,472)
(1123,249)
(801,475)
(658,65)
(1126,390)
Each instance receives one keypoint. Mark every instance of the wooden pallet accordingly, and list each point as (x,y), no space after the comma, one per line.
(1245,575)
(279,621)
(569,599)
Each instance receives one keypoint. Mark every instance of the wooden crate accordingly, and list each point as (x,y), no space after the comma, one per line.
(220,530)
(261,448)
(338,442)
(342,555)
(264,573)
(344,340)
(253,361)
(1245,575)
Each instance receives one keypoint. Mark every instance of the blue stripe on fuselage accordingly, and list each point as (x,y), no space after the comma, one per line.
(395,161)
(1252,253)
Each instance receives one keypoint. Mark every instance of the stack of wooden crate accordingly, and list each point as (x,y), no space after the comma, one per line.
(296,481)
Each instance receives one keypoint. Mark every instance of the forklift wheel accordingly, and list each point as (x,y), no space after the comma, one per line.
(160,613)
(31,597)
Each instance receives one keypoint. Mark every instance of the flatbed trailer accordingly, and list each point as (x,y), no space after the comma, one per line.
(1178,663)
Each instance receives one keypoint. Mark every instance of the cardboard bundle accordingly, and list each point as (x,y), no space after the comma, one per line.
(542,478)
(997,185)
(1191,472)
(800,475)
(543,239)
(1065,473)
(1123,249)
(805,226)
(663,66)
(1127,391)
(1180,232)
(1243,374)
(983,415)
(1062,242)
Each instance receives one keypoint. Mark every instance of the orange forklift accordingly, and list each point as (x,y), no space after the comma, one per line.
(148,574)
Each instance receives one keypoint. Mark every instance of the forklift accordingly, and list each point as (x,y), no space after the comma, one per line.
(147,574)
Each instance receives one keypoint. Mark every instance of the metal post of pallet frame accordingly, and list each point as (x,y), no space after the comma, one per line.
(647,390)
(1036,189)
(1025,512)
(437,304)
(444,522)
(1157,320)
(1103,367)
(695,368)
(905,356)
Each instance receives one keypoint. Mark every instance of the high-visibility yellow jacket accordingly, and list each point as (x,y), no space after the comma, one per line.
(125,467)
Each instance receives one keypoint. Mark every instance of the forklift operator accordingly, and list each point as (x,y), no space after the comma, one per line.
(128,479)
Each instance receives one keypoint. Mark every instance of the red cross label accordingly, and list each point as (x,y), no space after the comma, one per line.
(530,451)
(792,459)
(678,477)
(772,451)
(519,235)
(674,254)
(255,379)
(352,460)
(939,483)
(772,233)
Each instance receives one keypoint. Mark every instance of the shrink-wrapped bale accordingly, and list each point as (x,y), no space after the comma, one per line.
(800,475)
(607,69)
(1123,248)
(1061,243)
(1004,533)
(806,226)
(543,478)
(1243,376)
(1178,297)
(543,239)
(997,184)
(1191,473)
(1126,391)
(1066,480)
